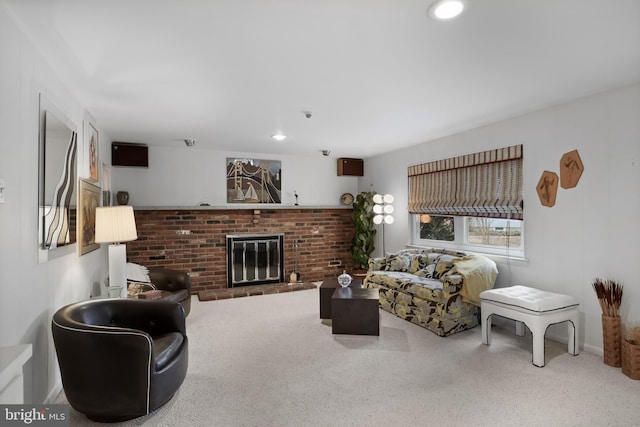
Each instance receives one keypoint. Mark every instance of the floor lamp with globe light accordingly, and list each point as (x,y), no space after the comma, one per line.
(383,210)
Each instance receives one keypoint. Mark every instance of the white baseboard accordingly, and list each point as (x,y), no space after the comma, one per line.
(53,394)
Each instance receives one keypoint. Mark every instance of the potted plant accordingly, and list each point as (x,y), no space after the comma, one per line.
(362,244)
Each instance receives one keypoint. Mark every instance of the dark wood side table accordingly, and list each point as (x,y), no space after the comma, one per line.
(327,288)
(355,311)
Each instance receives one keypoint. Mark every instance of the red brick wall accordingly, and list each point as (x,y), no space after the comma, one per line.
(194,240)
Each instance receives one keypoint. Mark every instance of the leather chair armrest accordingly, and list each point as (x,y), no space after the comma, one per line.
(170,280)
(154,317)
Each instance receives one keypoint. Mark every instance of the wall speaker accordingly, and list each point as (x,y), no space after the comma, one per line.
(350,167)
(129,154)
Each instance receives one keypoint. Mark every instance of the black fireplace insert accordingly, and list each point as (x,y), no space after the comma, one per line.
(254,259)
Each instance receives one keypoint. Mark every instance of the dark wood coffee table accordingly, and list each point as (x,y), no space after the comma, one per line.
(327,288)
(355,311)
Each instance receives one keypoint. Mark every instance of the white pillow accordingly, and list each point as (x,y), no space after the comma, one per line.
(137,273)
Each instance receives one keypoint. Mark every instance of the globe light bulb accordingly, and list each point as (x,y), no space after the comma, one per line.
(446,9)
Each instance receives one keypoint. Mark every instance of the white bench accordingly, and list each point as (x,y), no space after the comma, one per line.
(535,308)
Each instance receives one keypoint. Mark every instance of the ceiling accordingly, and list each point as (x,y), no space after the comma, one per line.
(376,75)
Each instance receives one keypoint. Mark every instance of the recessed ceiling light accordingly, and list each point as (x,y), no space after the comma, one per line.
(279,137)
(446,9)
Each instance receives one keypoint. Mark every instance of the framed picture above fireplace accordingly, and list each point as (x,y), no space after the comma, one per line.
(254,181)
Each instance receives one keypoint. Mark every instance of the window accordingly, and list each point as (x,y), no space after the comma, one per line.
(436,227)
(494,232)
(471,202)
(494,236)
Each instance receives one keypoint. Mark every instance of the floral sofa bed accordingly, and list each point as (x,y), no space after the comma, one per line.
(433,288)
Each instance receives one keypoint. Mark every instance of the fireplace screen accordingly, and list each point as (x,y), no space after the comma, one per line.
(254,259)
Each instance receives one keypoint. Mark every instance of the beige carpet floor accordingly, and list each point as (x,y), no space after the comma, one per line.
(270,361)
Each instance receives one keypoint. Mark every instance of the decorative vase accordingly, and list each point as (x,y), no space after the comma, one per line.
(611,339)
(344,279)
(122,197)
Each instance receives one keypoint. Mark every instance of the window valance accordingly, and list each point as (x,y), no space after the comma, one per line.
(484,184)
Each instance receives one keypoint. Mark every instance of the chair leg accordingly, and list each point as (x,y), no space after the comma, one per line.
(519,328)
(538,331)
(573,328)
(486,329)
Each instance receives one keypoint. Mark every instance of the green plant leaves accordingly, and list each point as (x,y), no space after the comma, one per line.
(362,244)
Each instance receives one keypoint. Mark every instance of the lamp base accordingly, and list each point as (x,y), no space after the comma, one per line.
(117,269)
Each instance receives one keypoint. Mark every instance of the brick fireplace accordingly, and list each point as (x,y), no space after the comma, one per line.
(194,240)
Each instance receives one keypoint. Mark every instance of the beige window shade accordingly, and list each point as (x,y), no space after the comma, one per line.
(485,184)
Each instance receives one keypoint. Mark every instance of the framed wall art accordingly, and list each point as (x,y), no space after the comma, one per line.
(254,181)
(571,169)
(90,196)
(547,188)
(91,142)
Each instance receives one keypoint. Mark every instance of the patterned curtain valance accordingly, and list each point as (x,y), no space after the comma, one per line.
(485,184)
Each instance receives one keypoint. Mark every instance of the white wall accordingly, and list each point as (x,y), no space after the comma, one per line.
(592,231)
(31,292)
(184,176)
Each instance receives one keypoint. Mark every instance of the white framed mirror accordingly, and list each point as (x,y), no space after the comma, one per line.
(57,182)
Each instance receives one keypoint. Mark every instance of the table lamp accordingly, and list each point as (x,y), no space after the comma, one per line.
(115,225)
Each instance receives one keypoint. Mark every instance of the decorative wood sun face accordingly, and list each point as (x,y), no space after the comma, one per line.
(547,188)
(571,169)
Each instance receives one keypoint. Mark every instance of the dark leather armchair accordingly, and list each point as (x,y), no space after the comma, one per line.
(120,358)
(178,283)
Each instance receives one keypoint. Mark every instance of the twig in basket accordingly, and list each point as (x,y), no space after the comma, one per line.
(609,293)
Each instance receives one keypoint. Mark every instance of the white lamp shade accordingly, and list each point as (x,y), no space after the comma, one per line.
(388,198)
(388,209)
(115,224)
(377,198)
(377,219)
(377,209)
(388,219)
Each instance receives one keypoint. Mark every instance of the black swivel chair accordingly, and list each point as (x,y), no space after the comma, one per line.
(120,358)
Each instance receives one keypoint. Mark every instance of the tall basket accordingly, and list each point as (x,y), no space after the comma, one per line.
(611,339)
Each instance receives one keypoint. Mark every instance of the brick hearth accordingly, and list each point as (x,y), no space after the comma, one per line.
(247,291)
(193,240)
